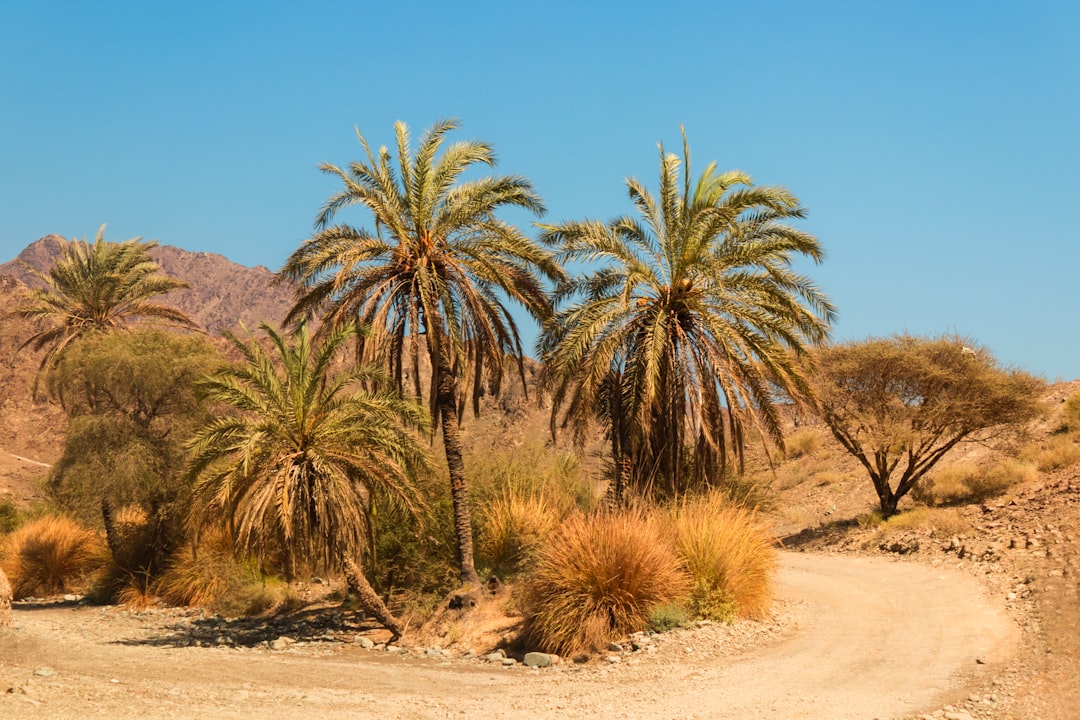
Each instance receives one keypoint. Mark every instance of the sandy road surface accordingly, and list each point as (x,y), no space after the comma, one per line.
(875,639)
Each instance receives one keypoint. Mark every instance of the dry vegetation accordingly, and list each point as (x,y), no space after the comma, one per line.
(50,555)
(598,579)
(579,578)
(728,554)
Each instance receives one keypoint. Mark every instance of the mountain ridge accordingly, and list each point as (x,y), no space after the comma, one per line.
(222,295)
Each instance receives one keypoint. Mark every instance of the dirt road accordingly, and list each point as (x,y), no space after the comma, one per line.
(867,638)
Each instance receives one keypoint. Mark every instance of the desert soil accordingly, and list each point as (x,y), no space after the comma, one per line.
(852,637)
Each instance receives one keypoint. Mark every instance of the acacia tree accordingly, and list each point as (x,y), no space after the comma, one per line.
(294,458)
(899,404)
(131,401)
(436,269)
(94,287)
(686,324)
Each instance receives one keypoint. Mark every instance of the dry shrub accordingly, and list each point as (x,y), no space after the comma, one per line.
(529,471)
(49,555)
(829,477)
(1055,453)
(729,555)
(946,485)
(210,576)
(752,491)
(1071,414)
(941,522)
(998,479)
(597,580)
(127,576)
(968,483)
(512,527)
(870,520)
(801,442)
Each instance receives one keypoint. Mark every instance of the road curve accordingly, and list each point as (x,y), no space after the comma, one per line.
(876,639)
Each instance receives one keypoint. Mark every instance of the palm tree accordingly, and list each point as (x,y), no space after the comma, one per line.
(295,460)
(103,286)
(438,268)
(687,325)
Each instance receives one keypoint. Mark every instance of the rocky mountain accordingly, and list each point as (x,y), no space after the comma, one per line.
(222,295)
(30,433)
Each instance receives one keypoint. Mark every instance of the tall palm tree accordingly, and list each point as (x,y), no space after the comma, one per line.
(687,324)
(295,459)
(438,269)
(99,286)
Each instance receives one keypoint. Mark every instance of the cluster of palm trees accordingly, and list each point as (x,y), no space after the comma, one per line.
(682,330)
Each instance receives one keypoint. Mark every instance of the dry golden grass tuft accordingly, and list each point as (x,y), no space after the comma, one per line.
(210,576)
(50,555)
(804,441)
(941,522)
(512,527)
(598,578)
(1071,413)
(999,478)
(729,555)
(966,482)
(1055,452)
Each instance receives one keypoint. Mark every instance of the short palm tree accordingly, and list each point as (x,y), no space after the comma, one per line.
(687,324)
(294,461)
(437,270)
(99,286)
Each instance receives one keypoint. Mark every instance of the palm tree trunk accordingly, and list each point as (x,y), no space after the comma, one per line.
(446,403)
(5,601)
(369,599)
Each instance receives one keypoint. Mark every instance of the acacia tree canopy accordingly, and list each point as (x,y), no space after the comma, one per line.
(132,402)
(899,404)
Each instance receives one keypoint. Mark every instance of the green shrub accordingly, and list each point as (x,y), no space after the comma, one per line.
(663,618)
(729,555)
(416,564)
(417,558)
(49,555)
(9,516)
(598,579)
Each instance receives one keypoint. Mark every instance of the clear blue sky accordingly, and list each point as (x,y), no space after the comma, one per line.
(934,143)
